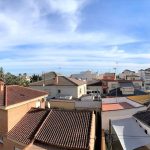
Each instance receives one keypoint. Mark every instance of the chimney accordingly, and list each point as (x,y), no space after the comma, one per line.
(55,80)
(2,95)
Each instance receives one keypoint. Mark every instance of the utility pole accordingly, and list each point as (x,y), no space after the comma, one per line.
(116,78)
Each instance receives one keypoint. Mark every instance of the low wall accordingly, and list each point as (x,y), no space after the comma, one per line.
(119,100)
(118,114)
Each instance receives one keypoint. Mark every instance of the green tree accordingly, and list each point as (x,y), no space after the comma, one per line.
(10,79)
(35,78)
(1,73)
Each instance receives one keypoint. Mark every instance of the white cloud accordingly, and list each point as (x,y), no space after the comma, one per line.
(45,59)
(31,22)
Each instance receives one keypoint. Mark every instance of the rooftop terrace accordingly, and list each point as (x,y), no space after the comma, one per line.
(116,106)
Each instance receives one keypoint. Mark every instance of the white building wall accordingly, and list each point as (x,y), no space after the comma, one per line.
(81,90)
(65,90)
(87,105)
(53,90)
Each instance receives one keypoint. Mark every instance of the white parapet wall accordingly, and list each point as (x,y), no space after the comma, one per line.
(120,100)
(87,105)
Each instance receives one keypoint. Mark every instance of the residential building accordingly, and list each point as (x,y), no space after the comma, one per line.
(129,75)
(15,102)
(124,87)
(133,77)
(108,76)
(95,86)
(86,75)
(145,76)
(61,87)
(42,129)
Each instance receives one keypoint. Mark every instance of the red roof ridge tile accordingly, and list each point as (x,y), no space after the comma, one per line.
(42,123)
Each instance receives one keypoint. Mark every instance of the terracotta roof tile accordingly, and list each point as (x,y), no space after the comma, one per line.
(25,129)
(15,94)
(66,129)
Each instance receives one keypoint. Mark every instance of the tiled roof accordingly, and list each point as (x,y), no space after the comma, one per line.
(25,129)
(62,81)
(142,99)
(64,129)
(15,94)
(143,116)
(94,83)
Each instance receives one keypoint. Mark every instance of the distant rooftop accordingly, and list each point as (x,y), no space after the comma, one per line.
(116,106)
(94,82)
(61,81)
(142,99)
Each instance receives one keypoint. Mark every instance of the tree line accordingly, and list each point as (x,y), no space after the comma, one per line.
(20,79)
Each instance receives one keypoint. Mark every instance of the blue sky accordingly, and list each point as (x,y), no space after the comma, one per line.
(70,36)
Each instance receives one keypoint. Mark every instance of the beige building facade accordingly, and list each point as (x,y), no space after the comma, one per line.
(61,86)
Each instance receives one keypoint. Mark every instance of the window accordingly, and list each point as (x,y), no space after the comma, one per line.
(59,91)
(1,139)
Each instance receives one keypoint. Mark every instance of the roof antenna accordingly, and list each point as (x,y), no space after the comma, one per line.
(116,78)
